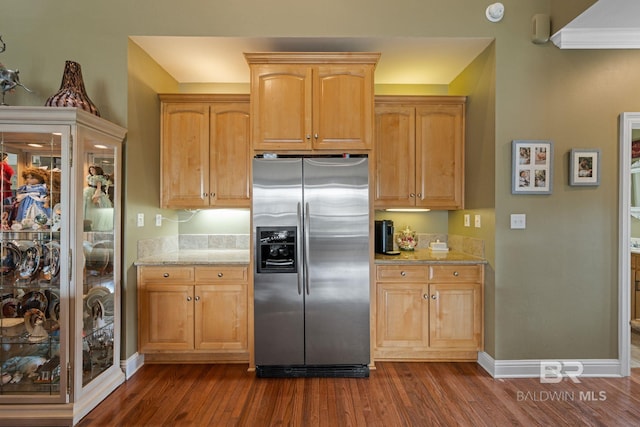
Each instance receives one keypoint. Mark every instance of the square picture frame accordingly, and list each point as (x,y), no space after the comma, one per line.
(532,167)
(584,167)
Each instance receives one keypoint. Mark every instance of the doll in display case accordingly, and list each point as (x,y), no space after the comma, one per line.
(32,198)
(98,209)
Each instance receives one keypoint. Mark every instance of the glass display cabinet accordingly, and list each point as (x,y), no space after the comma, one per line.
(60,244)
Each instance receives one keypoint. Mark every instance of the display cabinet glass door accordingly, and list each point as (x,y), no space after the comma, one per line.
(33,288)
(98,219)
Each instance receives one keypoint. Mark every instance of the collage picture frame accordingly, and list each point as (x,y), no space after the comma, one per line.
(532,171)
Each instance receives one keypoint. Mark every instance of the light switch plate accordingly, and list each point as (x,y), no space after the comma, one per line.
(140,220)
(477,221)
(518,221)
(467,220)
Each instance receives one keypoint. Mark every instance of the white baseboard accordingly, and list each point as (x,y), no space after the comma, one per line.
(530,368)
(132,364)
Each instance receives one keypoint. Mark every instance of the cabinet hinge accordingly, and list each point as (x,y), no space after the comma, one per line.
(70,151)
(69,378)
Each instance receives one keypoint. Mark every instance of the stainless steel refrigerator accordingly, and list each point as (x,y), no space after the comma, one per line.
(311,282)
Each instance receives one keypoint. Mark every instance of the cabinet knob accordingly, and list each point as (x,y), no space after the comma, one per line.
(315,135)
(197,298)
(412,195)
(419,195)
(455,273)
(434,296)
(403,273)
(308,136)
(425,296)
(165,275)
(213,195)
(220,274)
(188,298)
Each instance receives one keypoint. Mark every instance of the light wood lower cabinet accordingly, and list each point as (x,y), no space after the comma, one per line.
(197,314)
(429,312)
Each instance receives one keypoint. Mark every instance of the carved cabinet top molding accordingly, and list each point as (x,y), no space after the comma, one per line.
(312,57)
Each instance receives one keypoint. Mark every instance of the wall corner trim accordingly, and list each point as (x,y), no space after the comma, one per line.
(132,364)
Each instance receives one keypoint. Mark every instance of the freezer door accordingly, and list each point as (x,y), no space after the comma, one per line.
(336,199)
(278,297)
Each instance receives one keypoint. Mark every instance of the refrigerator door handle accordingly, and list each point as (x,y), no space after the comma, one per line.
(299,249)
(307,226)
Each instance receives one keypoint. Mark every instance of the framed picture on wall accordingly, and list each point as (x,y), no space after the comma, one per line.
(532,171)
(584,168)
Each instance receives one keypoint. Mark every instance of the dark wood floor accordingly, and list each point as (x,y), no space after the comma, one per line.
(396,394)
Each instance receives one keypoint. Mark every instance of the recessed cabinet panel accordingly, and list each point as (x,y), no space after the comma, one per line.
(281,106)
(168,320)
(455,316)
(395,155)
(439,150)
(344,105)
(401,319)
(221,311)
(229,152)
(185,155)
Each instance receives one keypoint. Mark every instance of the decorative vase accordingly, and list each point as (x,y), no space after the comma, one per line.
(407,239)
(72,92)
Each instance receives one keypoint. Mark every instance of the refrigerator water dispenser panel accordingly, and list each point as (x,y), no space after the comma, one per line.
(276,249)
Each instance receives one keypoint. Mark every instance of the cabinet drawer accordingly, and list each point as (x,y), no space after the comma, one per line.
(221,274)
(455,273)
(167,274)
(394,273)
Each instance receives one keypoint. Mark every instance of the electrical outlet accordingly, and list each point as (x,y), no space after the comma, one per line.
(158,220)
(140,220)
(518,221)
(477,221)
(467,220)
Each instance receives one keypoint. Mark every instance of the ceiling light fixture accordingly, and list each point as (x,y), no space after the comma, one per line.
(495,12)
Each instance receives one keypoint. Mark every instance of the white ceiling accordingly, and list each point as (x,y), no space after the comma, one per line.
(404,60)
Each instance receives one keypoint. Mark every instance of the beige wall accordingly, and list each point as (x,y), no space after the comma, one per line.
(555,288)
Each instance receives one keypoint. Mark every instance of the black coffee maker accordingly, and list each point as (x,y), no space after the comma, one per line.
(384,236)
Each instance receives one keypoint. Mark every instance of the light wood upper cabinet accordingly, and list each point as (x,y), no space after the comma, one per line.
(419,152)
(312,101)
(205,155)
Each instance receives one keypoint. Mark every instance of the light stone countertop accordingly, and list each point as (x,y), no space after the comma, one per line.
(426,256)
(198,257)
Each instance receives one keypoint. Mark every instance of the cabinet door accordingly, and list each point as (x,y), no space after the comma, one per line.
(455,316)
(395,157)
(281,106)
(221,317)
(402,316)
(343,107)
(440,156)
(229,154)
(166,317)
(185,155)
